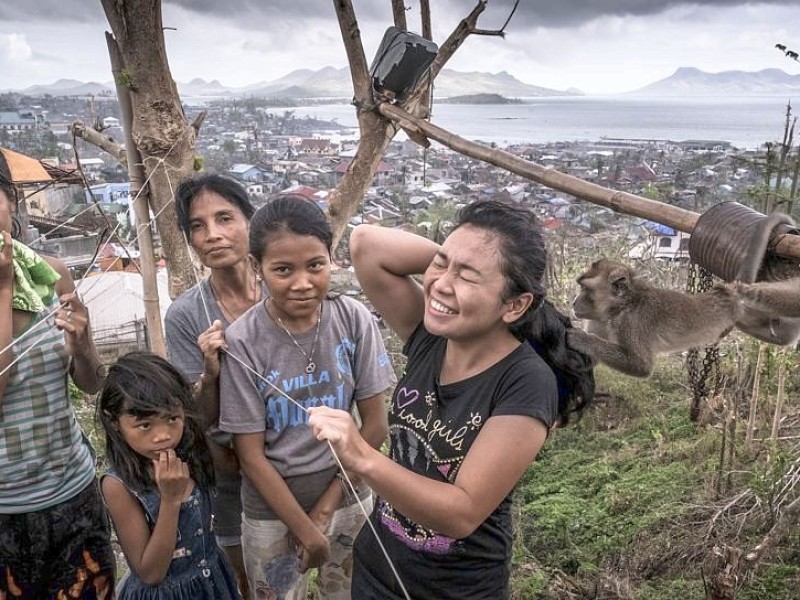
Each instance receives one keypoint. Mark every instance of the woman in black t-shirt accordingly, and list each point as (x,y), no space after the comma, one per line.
(488,375)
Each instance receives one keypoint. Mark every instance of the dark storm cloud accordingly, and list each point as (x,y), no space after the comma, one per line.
(47,11)
(563,13)
(259,13)
(249,13)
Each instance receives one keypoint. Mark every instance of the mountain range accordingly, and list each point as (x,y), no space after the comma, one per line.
(688,81)
(330,82)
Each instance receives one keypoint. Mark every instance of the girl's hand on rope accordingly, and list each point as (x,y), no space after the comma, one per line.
(211,342)
(338,428)
(73,319)
(6,262)
(314,553)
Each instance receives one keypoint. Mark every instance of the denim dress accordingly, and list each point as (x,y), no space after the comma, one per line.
(198,570)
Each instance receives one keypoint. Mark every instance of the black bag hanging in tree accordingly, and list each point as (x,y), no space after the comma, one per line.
(401,60)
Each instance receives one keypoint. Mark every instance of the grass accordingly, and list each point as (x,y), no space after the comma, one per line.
(610,508)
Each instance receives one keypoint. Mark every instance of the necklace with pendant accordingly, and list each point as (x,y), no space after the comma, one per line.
(311,366)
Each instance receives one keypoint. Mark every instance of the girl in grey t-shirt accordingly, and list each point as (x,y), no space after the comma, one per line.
(301,349)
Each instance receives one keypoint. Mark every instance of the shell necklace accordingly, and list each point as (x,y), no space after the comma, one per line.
(311,366)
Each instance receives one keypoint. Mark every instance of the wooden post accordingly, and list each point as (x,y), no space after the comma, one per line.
(751,419)
(141,206)
(776,417)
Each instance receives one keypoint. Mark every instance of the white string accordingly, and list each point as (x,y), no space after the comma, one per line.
(369,522)
(64,223)
(33,345)
(30,330)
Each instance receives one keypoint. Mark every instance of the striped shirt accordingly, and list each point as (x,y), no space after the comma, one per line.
(44,459)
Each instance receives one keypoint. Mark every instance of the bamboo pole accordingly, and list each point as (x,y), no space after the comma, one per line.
(776,417)
(624,202)
(751,418)
(141,206)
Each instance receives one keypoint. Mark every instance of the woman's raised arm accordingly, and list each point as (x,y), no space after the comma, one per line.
(384,261)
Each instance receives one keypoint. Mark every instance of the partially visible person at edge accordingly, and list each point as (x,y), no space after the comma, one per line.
(214,214)
(316,350)
(54,530)
(158,487)
(488,376)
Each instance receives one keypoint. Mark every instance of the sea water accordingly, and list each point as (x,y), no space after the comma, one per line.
(746,122)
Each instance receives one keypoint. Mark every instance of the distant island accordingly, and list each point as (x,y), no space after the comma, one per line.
(478,99)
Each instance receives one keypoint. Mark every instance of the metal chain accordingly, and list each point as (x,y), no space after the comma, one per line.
(701,279)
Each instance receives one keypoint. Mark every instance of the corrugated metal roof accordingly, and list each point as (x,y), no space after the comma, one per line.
(24,169)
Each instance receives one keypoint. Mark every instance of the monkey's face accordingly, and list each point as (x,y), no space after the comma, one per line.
(603,289)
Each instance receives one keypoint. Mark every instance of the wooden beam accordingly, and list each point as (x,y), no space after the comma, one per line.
(623,202)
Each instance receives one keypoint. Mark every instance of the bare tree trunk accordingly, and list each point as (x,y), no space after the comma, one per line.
(161,132)
(721,573)
(399,14)
(376,129)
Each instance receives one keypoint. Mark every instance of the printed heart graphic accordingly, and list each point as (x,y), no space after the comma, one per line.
(404,397)
(444,469)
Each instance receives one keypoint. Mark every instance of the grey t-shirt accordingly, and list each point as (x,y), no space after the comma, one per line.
(187,317)
(352,364)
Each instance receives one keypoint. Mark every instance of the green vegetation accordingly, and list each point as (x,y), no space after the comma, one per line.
(621,501)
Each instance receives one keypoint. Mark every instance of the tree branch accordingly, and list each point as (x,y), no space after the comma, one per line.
(425,17)
(351,36)
(104,142)
(777,533)
(198,121)
(457,37)
(399,14)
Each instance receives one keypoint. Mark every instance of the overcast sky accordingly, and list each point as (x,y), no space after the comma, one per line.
(598,46)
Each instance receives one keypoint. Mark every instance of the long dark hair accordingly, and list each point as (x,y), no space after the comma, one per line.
(10,190)
(143,384)
(523,263)
(288,212)
(228,188)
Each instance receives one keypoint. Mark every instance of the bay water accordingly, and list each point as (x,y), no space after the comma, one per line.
(746,122)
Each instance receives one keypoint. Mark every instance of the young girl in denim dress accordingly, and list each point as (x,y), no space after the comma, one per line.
(159,485)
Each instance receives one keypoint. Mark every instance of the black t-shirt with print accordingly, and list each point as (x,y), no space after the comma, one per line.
(432,427)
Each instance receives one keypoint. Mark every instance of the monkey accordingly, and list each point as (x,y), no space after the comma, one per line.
(641,320)
(631,321)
